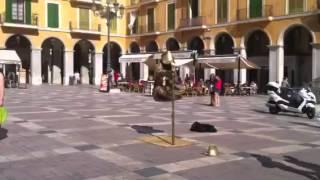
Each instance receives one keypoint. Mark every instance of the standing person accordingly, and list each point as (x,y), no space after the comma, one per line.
(285,83)
(1,91)
(116,77)
(212,83)
(217,87)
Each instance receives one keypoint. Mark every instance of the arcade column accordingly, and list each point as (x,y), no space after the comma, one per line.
(36,78)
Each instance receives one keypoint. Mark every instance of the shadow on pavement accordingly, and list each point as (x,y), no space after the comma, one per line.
(3,133)
(280,114)
(311,172)
(305,124)
(145,129)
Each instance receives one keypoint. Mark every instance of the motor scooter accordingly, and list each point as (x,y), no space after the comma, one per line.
(300,100)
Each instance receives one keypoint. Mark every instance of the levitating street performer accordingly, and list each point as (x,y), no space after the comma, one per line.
(163,80)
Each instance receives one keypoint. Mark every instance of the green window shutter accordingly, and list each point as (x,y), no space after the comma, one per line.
(255,8)
(28,11)
(150,20)
(53,15)
(84,19)
(296,6)
(195,8)
(222,11)
(171,16)
(8,11)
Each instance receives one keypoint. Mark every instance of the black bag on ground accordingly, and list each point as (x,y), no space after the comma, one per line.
(198,127)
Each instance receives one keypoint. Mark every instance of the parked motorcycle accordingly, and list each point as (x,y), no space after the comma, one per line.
(300,100)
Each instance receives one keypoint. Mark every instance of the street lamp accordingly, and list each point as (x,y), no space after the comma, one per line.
(104,10)
(90,56)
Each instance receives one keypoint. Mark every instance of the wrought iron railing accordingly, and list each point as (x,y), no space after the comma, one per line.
(34,20)
(74,26)
(196,21)
(245,14)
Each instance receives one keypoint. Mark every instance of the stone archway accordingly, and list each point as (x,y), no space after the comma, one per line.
(152,47)
(22,46)
(134,68)
(224,45)
(134,47)
(84,52)
(115,53)
(172,45)
(298,55)
(257,51)
(197,44)
(52,64)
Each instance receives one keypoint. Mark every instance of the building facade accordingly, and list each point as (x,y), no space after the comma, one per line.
(64,37)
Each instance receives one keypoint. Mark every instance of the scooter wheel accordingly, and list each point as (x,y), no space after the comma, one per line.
(311,113)
(274,110)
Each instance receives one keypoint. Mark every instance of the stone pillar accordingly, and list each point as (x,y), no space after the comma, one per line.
(315,61)
(123,69)
(243,72)
(144,71)
(276,63)
(97,67)
(68,66)
(36,78)
(208,72)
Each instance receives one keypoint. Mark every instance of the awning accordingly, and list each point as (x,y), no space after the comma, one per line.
(227,62)
(180,62)
(134,58)
(9,57)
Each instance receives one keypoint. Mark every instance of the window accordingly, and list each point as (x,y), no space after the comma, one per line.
(53,15)
(222,10)
(255,8)
(171,16)
(113,23)
(18,11)
(150,13)
(84,19)
(296,6)
(194,8)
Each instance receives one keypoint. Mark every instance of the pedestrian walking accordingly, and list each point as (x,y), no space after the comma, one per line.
(217,87)
(1,91)
(285,83)
(212,83)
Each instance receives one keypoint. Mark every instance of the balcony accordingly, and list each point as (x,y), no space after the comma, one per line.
(141,2)
(87,1)
(134,2)
(245,14)
(33,24)
(75,28)
(194,22)
(150,29)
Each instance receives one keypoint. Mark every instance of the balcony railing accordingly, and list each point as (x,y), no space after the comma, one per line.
(197,21)
(24,24)
(245,14)
(149,28)
(75,28)
(302,10)
(134,2)
(87,1)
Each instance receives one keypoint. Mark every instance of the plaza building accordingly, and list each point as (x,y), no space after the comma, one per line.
(57,38)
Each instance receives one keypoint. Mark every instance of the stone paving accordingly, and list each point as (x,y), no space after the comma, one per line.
(57,133)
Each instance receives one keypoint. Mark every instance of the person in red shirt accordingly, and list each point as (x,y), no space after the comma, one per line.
(218,87)
(116,77)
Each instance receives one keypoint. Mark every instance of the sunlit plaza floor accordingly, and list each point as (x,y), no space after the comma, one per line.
(65,133)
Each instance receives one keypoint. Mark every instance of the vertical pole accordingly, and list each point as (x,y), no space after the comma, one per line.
(173,136)
(109,47)
(238,75)
(51,64)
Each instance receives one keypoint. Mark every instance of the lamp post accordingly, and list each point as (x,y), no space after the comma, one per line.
(51,65)
(90,65)
(104,10)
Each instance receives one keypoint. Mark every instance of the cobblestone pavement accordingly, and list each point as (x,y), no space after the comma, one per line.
(57,133)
